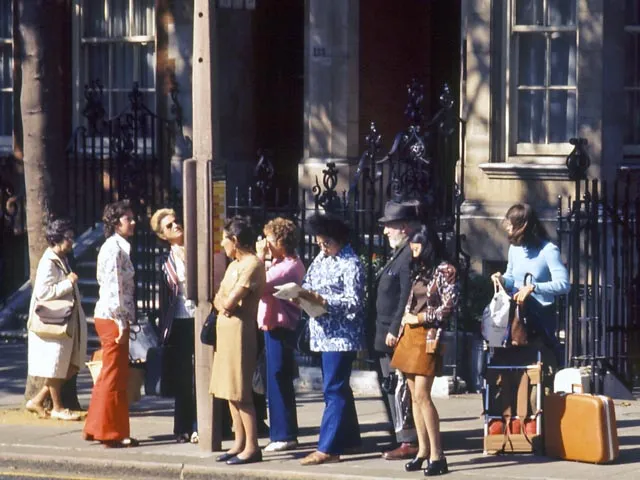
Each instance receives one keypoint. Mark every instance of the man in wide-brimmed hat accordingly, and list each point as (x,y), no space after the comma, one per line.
(400,220)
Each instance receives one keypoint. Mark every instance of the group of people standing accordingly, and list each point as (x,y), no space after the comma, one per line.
(417,292)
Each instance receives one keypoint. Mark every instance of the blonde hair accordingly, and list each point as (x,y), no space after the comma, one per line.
(156,220)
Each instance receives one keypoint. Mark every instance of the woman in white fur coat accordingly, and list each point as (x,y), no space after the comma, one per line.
(56,359)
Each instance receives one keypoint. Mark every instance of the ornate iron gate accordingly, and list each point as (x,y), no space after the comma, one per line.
(127,156)
(421,164)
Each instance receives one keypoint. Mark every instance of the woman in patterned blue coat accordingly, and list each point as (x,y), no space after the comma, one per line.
(335,280)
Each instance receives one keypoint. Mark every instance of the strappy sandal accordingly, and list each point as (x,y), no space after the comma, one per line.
(318,458)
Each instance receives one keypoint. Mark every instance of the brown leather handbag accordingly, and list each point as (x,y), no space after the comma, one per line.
(519,336)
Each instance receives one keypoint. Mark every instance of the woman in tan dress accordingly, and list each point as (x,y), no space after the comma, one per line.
(236,345)
(433,297)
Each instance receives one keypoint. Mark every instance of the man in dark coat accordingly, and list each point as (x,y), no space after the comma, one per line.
(400,220)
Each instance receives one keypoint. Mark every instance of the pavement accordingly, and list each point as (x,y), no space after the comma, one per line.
(55,449)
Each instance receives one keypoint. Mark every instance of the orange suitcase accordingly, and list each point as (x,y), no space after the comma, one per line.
(580,427)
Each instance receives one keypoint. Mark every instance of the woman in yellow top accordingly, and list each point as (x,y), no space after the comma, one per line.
(236,343)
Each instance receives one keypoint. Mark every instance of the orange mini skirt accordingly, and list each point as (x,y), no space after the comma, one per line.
(410,355)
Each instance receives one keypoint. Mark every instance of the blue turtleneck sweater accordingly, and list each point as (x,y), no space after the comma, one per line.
(545,264)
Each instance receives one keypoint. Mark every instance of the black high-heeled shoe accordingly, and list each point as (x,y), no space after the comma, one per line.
(415,464)
(437,467)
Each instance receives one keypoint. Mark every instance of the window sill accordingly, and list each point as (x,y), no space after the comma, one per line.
(525,171)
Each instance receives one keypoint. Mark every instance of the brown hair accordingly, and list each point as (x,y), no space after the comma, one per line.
(111,215)
(527,228)
(285,232)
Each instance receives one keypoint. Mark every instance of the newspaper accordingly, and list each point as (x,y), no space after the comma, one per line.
(291,291)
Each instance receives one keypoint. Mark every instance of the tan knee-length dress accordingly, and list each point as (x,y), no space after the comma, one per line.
(236,337)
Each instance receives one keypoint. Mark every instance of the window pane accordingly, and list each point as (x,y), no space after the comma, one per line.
(6,18)
(6,67)
(144,17)
(97,64)
(632,12)
(528,12)
(632,59)
(563,58)
(561,12)
(147,59)
(6,113)
(120,102)
(93,18)
(531,116)
(123,64)
(119,18)
(562,115)
(631,125)
(531,49)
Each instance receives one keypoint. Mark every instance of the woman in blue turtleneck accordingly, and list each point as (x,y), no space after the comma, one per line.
(532,252)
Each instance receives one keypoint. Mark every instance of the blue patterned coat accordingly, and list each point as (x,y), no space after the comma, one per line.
(340,281)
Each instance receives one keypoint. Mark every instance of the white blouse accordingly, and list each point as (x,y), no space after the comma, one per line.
(184,307)
(115,275)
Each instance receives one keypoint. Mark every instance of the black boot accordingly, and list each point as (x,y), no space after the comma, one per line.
(437,467)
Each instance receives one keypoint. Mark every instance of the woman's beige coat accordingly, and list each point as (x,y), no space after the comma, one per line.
(47,357)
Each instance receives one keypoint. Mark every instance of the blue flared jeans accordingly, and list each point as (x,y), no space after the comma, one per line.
(281,399)
(339,429)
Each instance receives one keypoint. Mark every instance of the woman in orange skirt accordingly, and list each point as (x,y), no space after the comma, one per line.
(108,416)
(433,297)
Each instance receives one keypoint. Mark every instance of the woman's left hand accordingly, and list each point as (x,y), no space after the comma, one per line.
(312,297)
(522,294)
(120,332)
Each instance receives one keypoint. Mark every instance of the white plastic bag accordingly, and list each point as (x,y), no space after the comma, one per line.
(495,318)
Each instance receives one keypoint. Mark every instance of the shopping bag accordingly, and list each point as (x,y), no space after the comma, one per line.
(496,316)
(403,406)
(142,337)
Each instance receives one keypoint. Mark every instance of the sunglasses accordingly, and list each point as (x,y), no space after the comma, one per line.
(325,244)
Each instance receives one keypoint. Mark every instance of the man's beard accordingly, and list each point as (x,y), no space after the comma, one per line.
(397,241)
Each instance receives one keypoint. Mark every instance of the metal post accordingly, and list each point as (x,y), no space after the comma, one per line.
(198,217)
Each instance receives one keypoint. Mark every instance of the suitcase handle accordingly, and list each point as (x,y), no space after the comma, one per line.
(577,388)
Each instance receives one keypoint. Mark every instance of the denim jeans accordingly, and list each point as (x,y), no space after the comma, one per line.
(281,399)
(339,429)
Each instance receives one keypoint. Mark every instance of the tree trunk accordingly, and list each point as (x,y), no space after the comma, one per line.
(43,47)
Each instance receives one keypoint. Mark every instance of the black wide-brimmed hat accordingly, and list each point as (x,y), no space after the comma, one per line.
(396,211)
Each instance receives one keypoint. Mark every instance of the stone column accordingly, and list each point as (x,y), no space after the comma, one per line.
(331,89)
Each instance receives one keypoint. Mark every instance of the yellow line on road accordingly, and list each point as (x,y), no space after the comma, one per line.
(49,475)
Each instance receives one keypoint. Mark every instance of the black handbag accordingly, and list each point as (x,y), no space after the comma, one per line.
(208,332)
(303,336)
(389,383)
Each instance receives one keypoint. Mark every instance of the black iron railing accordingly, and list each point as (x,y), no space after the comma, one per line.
(421,164)
(599,234)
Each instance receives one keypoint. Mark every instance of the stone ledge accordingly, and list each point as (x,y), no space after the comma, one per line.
(525,171)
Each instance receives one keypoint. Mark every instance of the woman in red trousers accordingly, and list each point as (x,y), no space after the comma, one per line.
(108,416)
